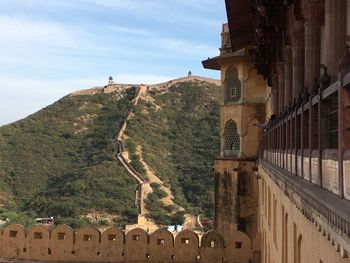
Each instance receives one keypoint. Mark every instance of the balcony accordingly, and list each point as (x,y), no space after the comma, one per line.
(306,151)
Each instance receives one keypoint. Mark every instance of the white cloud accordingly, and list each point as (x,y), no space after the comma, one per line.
(30,31)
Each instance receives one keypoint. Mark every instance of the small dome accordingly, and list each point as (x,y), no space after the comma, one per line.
(110,78)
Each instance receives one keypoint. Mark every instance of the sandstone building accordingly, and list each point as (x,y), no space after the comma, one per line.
(282,179)
(283,175)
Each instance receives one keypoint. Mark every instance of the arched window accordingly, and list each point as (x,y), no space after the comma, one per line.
(232,140)
(232,86)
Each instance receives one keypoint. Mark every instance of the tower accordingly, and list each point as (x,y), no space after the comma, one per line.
(242,110)
(110,80)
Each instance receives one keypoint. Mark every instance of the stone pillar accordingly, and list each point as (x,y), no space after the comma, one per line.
(281,88)
(313,13)
(298,58)
(288,77)
(335,32)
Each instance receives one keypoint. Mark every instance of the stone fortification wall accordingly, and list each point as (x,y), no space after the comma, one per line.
(183,79)
(119,86)
(88,244)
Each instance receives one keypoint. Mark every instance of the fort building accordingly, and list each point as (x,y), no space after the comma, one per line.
(282,179)
(282,176)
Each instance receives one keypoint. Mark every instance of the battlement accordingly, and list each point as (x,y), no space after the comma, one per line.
(88,244)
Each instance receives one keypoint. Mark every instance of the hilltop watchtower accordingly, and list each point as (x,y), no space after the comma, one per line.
(110,80)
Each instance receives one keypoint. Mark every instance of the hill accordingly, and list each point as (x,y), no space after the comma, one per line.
(60,161)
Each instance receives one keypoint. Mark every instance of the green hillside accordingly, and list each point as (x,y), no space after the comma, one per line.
(59,161)
(179,135)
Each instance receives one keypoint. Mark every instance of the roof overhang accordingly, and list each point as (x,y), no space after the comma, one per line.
(212,63)
(216,62)
(240,20)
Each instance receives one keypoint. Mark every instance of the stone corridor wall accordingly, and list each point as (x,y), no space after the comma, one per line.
(88,244)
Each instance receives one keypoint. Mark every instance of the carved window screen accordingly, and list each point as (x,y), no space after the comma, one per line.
(232,85)
(232,140)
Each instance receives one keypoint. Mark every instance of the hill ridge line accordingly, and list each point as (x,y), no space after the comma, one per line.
(121,86)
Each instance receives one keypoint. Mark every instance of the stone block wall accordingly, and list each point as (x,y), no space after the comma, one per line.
(289,232)
(88,244)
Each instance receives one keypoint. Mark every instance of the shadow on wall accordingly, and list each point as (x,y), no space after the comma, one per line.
(113,245)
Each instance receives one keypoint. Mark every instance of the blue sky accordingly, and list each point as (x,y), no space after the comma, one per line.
(49,48)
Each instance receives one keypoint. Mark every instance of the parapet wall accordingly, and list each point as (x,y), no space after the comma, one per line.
(320,169)
(88,244)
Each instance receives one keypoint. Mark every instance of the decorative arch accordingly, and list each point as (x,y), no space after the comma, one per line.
(232,139)
(232,86)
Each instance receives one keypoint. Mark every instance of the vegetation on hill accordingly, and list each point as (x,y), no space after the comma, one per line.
(179,134)
(161,213)
(60,161)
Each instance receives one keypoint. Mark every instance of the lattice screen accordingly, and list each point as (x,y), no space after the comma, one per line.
(232,140)
(232,86)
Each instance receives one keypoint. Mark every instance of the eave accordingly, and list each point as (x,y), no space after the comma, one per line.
(216,62)
(240,20)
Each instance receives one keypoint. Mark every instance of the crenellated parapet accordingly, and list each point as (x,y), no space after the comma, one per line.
(88,244)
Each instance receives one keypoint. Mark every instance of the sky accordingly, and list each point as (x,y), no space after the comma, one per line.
(49,48)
